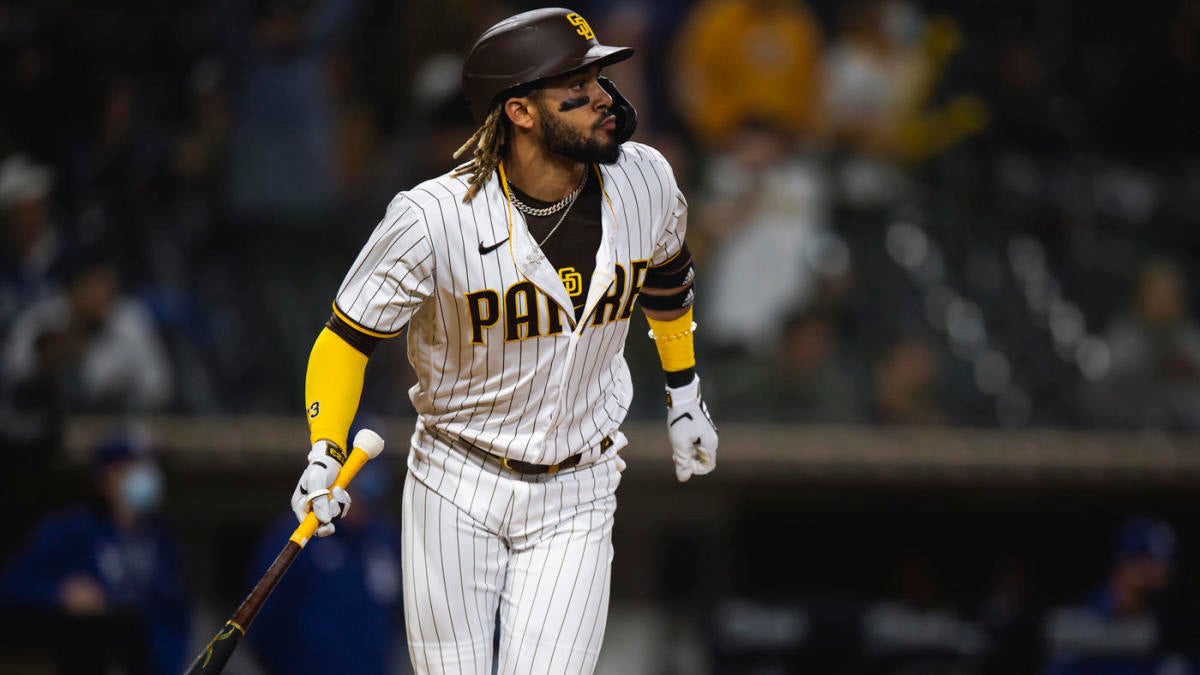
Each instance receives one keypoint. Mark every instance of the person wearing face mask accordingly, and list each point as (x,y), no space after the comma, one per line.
(347,585)
(109,567)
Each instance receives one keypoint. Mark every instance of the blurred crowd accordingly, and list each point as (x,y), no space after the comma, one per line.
(848,590)
(905,212)
(105,573)
(994,616)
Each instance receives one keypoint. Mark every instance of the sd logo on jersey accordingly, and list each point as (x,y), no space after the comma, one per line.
(572,281)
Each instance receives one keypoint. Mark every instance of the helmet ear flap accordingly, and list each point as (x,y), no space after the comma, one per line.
(622,108)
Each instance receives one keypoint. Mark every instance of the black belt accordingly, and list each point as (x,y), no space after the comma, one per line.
(530,469)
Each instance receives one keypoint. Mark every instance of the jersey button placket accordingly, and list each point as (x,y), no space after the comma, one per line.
(562,381)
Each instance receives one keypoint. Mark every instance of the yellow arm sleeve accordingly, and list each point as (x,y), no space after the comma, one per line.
(332,388)
(676,347)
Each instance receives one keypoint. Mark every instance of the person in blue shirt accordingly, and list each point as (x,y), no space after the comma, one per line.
(1120,628)
(111,558)
(346,586)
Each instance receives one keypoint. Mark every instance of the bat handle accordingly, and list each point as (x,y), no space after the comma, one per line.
(358,457)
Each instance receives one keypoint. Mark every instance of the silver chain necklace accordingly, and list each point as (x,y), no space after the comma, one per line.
(560,219)
(553,208)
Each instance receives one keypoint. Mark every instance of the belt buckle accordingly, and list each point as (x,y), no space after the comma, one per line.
(552,469)
(504,463)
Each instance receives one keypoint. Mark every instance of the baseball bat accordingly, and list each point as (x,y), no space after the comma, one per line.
(367,445)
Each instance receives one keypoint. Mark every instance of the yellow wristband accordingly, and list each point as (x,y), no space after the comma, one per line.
(673,339)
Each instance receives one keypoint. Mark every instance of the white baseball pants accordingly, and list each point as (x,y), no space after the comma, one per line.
(478,539)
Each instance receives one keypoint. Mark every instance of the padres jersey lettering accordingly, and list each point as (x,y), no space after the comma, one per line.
(529,313)
(499,363)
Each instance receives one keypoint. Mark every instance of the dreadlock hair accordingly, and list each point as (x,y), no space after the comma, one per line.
(486,143)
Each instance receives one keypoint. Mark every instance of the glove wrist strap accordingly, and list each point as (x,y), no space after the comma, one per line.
(325,449)
(685,395)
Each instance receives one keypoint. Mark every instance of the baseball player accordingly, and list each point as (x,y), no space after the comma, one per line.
(515,275)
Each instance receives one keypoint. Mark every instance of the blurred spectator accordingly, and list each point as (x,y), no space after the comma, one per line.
(767,210)
(438,123)
(917,630)
(346,585)
(810,379)
(1119,629)
(198,159)
(879,77)
(1008,614)
(745,62)
(33,408)
(122,364)
(1153,380)
(906,385)
(32,243)
(33,423)
(1030,111)
(33,116)
(282,162)
(198,280)
(290,146)
(120,168)
(112,558)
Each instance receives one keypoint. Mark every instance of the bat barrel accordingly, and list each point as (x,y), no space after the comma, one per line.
(218,650)
(216,654)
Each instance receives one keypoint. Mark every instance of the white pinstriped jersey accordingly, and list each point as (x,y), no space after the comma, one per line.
(498,362)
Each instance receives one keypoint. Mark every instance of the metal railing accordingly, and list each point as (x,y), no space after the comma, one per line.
(767,452)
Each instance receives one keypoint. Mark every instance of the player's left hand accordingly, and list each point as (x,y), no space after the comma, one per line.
(692,432)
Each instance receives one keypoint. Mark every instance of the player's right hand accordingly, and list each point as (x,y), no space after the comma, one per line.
(313,493)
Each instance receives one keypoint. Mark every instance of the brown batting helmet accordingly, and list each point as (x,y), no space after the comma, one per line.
(528,47)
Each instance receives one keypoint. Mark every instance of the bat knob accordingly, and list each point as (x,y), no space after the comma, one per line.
(369,442)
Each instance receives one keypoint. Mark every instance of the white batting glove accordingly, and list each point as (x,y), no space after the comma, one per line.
(692,432)
(313,491)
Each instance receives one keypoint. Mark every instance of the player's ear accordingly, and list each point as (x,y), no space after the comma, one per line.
(520,111)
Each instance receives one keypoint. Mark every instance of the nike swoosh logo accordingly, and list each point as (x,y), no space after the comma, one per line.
(484,250)
(684,416)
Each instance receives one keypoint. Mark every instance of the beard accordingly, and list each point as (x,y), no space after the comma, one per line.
(566,141)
